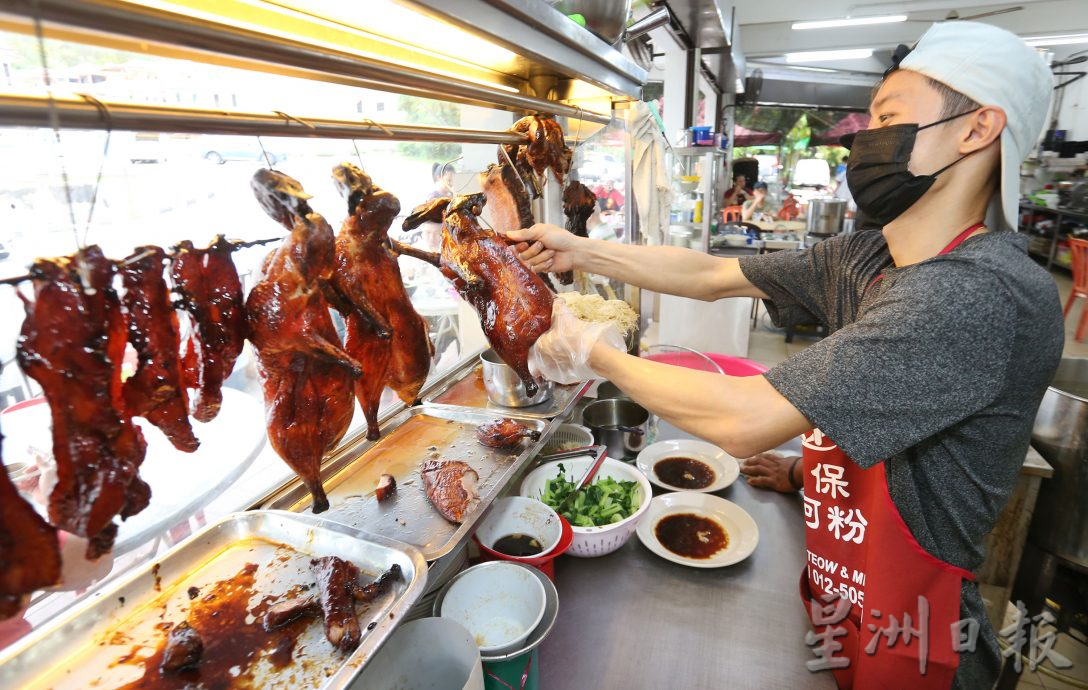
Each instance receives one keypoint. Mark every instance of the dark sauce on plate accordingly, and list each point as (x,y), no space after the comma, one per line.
(684,473)
(518,545)
(691,536)
(233,640)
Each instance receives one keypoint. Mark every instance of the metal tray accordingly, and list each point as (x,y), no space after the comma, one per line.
(464,387)
(408,438)
(102,641)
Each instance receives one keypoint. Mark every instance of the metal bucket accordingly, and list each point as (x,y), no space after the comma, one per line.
(620,424)
(1060,434)
(505,388)
(825,216)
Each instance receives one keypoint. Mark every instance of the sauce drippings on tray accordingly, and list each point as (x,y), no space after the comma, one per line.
(469,391)
(691,536)
(684,473)
(518,545)
(232,636)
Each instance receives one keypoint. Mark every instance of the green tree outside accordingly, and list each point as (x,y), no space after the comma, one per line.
(419,111)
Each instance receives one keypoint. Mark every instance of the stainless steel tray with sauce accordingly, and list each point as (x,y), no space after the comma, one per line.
(464,387)
(409,438)
(221,581)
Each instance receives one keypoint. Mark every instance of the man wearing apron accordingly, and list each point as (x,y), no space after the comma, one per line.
(916,411)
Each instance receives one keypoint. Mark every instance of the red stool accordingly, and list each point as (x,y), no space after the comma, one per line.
(1079,250)
(732,214)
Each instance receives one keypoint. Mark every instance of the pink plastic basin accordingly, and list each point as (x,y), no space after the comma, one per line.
(732,366)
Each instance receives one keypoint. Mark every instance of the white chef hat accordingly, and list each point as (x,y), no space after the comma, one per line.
(991,67)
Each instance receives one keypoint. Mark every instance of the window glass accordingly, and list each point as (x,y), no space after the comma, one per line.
(161,188)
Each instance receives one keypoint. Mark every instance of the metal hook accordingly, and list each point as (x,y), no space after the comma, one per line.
(358,155)
(371,123)
(289,118)
(514,167)
(54,122)
(578,134)
(267,158)
(107,117)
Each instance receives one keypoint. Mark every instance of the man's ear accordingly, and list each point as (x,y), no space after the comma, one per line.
(985,128)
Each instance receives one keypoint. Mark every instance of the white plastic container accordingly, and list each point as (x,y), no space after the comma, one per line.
(427,654)
(499,603)
(590,542)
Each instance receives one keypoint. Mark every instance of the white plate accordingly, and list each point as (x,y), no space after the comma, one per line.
(738,524)
(725,466)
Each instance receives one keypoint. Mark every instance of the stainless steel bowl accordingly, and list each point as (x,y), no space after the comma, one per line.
(606,18)
(620,424)
(505,388)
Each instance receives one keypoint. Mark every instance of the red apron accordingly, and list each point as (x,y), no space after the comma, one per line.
(864,568)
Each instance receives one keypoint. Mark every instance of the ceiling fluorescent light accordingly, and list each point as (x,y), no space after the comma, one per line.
(1062,40)
(848,21)
(827,55)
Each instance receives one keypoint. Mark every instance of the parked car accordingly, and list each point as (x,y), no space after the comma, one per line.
(219,150)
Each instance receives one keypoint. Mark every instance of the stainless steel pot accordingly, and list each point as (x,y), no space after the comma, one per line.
(505,388)
(1060,434)
(619,424)
(825,215)
(607,390)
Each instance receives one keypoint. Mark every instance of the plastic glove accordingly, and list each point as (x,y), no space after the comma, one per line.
(562,353)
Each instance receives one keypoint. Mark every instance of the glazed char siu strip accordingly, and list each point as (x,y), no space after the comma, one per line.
(210,291)
(184,648)
(157,390)
(71,343)
(336,582)
(29,555)
(289,610)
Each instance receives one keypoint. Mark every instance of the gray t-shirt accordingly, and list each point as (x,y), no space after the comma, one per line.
(937,369)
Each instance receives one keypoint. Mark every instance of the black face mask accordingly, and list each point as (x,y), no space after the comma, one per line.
(877,174)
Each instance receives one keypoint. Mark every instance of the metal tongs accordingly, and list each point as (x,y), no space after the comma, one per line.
(598,453)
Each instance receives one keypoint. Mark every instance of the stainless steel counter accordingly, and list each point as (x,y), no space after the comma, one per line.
(634,620)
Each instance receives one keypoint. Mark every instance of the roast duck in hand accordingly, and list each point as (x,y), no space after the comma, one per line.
(306,374)
(366,265)
(513,303)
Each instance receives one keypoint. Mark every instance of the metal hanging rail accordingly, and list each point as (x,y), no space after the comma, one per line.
(32,111)
(246,46)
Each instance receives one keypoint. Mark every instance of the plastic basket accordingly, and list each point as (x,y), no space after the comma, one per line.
(567,437)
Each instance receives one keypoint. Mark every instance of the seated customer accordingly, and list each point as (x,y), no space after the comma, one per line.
(755,204)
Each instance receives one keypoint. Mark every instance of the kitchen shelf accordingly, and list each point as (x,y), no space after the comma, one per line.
(708,160)
(1054,234)
(696,150)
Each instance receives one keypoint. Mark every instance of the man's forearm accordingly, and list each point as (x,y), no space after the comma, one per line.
(668,270)
(742,415)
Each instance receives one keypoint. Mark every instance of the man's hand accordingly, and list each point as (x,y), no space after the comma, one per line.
(546,247)
(770,470)
(562,353)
